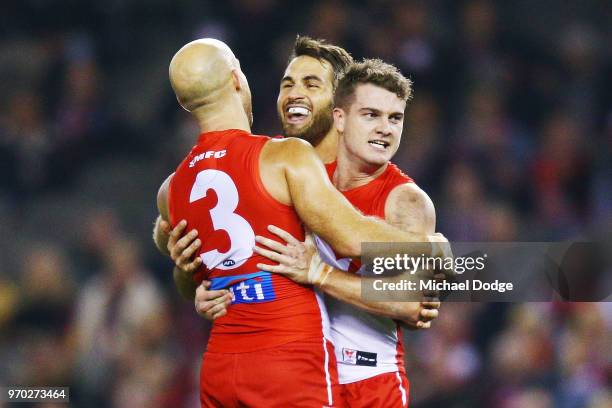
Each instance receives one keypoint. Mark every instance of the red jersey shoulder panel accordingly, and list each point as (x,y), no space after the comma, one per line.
(371,198)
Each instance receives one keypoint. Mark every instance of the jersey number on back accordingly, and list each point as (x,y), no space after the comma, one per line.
(241,235)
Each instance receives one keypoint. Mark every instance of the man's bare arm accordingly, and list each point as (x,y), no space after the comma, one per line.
(328,213)
(408,207)
(162,236)
(184,283)
(161,231)
(346,286)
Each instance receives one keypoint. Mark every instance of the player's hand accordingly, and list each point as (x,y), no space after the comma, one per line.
(182,248)
(428,310)
(165,226)
(294,257)
(161,233)
(211,304)
(440,247)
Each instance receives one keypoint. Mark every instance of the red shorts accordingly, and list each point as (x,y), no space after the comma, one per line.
(296,374)
(389,390)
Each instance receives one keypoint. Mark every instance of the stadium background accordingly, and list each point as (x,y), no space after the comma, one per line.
(510,132)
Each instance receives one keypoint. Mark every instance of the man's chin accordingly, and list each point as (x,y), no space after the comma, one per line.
(376,160)
(298,131)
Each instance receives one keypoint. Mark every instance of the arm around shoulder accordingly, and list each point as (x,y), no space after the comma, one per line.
(319,205)
(407,208)
(327,212)
(160,234)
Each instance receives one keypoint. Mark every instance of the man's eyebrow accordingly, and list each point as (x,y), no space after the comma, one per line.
(379,112)
(312,77)
(373,110)
(287,78)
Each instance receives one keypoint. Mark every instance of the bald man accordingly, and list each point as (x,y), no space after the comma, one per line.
(270,349)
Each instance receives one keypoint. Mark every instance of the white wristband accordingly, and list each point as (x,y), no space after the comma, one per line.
(318,270)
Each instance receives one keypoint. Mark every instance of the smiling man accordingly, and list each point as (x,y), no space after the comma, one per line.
(310,118)
(306,96)
(369,113)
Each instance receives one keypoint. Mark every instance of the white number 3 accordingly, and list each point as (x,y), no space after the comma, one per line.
(241,235)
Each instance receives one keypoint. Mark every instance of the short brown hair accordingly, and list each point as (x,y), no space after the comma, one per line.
(338,57)
(371,71)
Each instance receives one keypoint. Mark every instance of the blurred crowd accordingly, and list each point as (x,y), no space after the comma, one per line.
(509,131)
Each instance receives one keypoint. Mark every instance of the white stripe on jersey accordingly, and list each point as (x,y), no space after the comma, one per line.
(330,398)
(401,389)
(326,338)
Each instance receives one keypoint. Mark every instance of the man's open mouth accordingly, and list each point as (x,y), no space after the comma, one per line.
(297,114)
(379,144)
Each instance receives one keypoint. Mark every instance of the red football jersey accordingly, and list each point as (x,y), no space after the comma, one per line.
(353,329)
(371,198)
(218,190)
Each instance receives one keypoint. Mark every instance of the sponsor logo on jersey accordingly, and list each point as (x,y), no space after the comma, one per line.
(360,358)
(349,356)
(207,155)
(249,288)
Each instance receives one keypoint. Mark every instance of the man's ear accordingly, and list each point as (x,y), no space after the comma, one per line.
(236,80)
(339,119)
